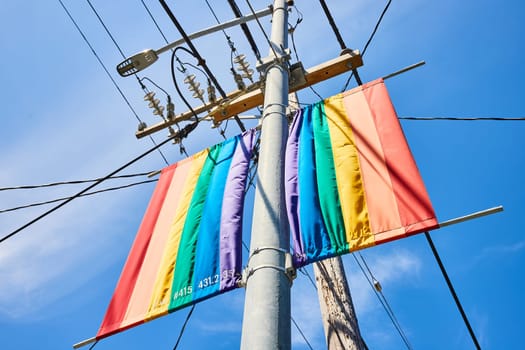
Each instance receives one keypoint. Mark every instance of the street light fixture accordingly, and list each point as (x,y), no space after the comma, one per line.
(146,58)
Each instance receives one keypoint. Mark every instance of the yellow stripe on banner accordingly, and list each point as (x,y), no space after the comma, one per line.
(348,174)
(162,290)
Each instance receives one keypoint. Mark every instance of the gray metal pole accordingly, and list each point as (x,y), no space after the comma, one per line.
(266,323)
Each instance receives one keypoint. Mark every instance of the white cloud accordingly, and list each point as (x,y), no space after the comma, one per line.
(393,267)
(57,256)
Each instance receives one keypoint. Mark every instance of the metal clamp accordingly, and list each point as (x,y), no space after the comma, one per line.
(288,269)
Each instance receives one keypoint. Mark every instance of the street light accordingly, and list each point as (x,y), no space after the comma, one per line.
(146,58)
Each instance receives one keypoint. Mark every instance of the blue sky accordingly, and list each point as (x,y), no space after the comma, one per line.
(62,119)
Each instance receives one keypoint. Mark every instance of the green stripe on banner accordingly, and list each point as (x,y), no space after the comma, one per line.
(327,181)
(182,287)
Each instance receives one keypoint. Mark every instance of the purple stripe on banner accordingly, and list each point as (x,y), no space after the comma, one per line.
(292,188)
(232,208)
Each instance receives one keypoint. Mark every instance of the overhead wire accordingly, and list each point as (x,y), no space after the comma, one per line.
(154,21)
(245,29)
(378,23)
(233,52)
(261,28)
(108,32)
(301,332)
(291,31)
(93,346)
(452,290)
(469,119)
(183,328)
(181,134)
(2,211)
(72,182)
(106,28)
(392,317)
(107,72)
(338,36)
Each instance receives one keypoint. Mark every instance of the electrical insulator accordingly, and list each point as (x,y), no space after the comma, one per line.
(170,107)
(194,87)
(142,126)
(212,97)
(377,285)
(244,67)
(154,103)
(238,80)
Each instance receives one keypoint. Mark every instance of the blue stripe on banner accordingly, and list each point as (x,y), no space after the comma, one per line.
(315,237)
(206,278)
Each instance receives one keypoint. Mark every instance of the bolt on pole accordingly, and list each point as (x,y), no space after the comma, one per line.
(266,323)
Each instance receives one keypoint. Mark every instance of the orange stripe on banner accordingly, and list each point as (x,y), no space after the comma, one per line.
(379,193)
(140,300)
(415,208)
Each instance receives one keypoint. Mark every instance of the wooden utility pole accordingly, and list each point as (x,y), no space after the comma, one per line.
(339,319)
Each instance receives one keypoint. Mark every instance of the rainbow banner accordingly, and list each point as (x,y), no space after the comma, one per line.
(188,246)
(351,180)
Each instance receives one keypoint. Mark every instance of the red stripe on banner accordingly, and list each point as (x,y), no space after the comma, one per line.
(414,206)
(126,284)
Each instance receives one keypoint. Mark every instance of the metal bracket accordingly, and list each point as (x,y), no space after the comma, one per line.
(288,269)
(266,62)
(297,76)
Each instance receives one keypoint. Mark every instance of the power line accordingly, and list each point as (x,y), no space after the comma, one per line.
(106,28)
(245,29)
(390,313)
(94,344)
(464,118)
(123,56)
(181,134)
(379,289)
(307,274)
(378,23)
(452,290)
(262,28)
(291,31)
(154,21)
(83,195)
(301,332)
(73,182)
(338,36)
(188,316)
(107,73)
